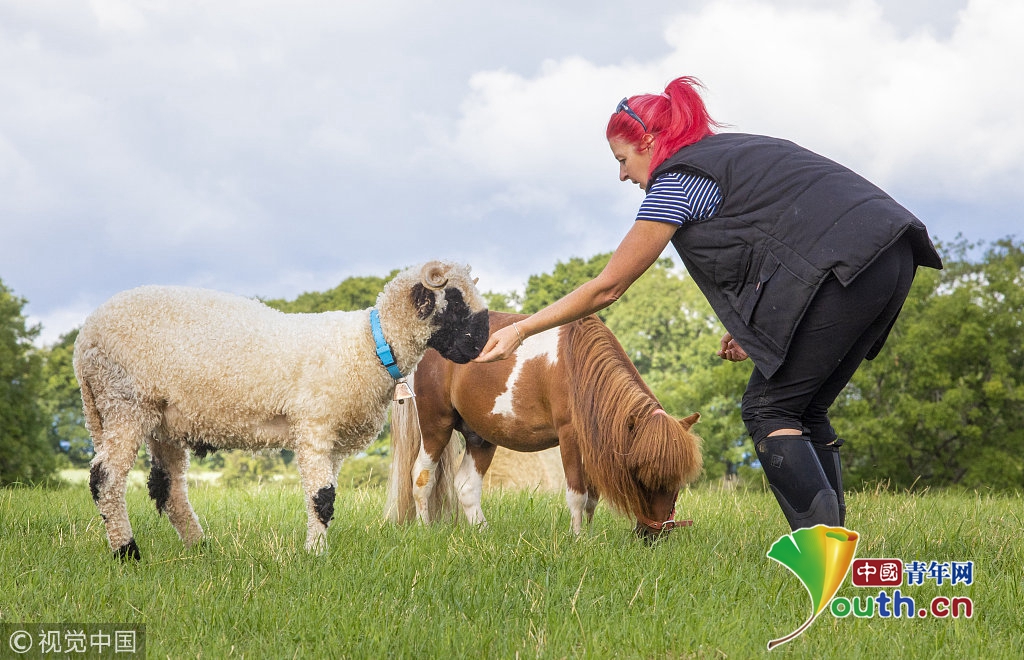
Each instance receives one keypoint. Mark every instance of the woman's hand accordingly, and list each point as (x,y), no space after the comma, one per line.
(500,345)
(731,350)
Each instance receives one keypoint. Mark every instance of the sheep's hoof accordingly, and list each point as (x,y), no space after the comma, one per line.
(129,551)
(200,545)
(317,546)
(193,536)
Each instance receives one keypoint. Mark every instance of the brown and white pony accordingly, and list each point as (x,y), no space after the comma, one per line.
(571,386)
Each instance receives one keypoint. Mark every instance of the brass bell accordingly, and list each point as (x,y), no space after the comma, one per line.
(403,391)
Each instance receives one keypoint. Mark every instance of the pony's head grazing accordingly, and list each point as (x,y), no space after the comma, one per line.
(665,457)
(653,455)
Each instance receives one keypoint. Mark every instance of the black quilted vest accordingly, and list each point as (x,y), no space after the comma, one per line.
(789,218)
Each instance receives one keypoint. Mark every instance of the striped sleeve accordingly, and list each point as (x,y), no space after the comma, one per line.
(680,197)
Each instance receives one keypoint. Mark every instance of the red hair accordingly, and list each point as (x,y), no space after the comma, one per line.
(676,119)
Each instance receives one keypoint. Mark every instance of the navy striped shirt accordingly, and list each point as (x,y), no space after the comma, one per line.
(680,197)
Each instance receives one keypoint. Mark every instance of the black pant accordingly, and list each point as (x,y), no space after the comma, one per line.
(837,332)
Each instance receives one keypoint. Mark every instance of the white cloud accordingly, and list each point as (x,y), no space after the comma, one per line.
(268,148)
(930,115)
(118,15)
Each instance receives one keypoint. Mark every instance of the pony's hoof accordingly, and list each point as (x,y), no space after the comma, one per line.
(129,551)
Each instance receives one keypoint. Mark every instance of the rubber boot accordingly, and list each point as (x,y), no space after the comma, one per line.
(828,456)
(798,481)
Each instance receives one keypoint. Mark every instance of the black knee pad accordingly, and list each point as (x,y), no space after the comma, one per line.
(798,481)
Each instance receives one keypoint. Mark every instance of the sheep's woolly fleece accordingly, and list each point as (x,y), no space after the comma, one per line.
(178,367)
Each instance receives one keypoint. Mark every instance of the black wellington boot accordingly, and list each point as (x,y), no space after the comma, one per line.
(828,456)
(798,481)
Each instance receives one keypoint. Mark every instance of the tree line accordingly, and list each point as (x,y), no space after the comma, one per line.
(941,406)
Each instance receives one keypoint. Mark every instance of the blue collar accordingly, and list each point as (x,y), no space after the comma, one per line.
(387,358)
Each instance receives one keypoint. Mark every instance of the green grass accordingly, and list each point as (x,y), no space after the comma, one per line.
(523,588)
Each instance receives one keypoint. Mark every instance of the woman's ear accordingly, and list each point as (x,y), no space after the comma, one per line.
(646,142)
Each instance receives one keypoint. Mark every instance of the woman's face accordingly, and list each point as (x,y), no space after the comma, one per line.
(634,162)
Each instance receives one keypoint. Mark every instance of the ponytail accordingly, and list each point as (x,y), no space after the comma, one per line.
(676,119)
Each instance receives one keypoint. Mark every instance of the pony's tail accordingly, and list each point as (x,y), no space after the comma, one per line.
(444,495)
(400,507)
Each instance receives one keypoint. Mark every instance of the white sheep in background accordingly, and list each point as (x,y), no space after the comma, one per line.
(181,368)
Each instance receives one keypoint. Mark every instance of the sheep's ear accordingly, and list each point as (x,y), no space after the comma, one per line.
(423,299)
(434,275)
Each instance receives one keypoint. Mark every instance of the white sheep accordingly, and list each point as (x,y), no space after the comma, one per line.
(181,368)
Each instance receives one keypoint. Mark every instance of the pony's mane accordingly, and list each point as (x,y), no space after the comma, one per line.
(627,448)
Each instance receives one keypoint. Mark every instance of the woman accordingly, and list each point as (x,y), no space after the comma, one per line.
(806,264)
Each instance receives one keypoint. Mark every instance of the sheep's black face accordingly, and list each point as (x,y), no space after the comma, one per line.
(461,333)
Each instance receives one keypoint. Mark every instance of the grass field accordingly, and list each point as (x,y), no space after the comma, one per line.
(524,588)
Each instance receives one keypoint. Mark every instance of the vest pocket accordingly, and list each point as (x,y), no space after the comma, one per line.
(774,302)
(753,290)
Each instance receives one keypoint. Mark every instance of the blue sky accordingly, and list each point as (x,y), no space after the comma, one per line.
(271,148)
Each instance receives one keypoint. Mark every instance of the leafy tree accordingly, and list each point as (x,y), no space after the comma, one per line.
(61,403)
(943,404)
(352,294)
(244,468)
(503,302)
(25,455)
(542,290)
(367,468)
